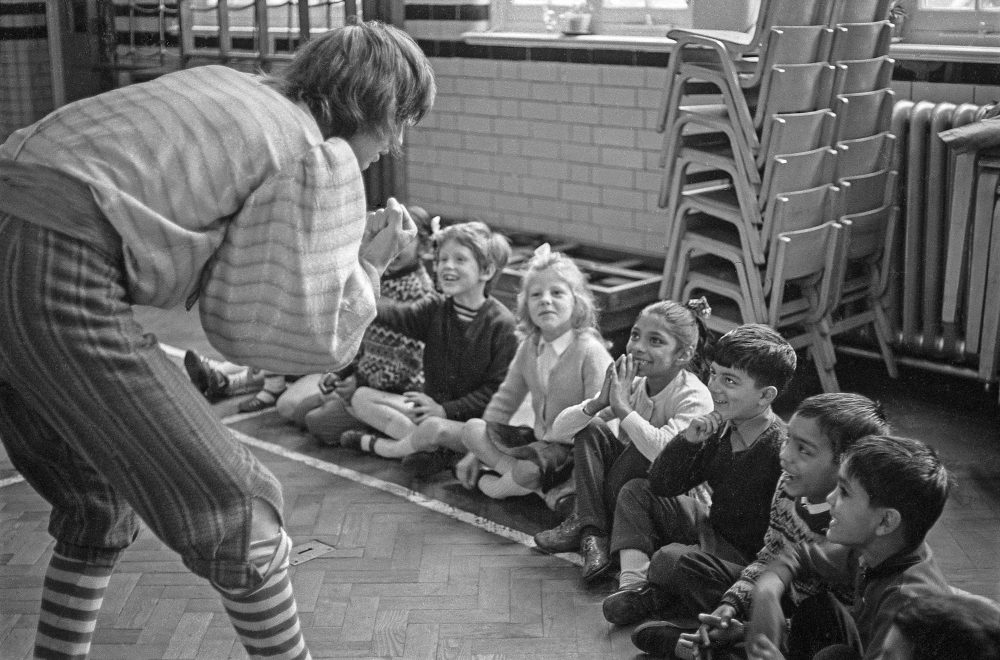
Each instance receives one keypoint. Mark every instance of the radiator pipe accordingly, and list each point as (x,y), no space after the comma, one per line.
(927,365)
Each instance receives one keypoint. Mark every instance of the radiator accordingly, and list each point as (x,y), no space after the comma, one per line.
(921,264)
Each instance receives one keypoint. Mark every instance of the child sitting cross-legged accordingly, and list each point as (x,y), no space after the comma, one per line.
(890,492)
(388,360)
(820,430)
(654,397)
(560,360)
(734,449)
(469,342)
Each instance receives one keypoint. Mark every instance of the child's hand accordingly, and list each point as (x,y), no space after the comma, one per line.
(702,428)
(718,629)
(423,406)
(328,383)
(387,232)
(621,381)
(761,648)
(603,399)
(467,470)
(346,387)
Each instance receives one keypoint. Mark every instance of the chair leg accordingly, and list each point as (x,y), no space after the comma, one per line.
(827,375)
(673,256)
(883,332)
(680,272)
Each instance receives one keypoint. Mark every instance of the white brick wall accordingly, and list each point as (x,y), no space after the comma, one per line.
(563,149)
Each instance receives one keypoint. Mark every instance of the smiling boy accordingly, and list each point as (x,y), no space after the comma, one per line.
(890,492)
(820,430)
(734,450)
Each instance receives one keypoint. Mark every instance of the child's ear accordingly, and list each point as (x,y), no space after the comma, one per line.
(685,355)
(768,395)
(890,521)
(488,272)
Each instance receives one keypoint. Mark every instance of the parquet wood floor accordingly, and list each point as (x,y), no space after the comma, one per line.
(406,580)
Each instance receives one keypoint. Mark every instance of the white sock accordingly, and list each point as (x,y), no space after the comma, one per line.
(634,567)
(501,487)
(388,448)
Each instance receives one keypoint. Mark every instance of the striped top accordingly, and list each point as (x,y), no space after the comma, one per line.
(177,162)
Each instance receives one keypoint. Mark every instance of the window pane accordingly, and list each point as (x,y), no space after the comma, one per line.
(948,4)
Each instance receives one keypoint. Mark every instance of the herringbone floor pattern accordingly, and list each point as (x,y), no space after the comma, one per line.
(407,581)
(401,582)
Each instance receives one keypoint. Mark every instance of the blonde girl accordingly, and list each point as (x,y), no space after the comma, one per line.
(653,392)
(560,360)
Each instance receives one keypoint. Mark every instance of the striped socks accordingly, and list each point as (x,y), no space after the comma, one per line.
(71,600)
(267,621)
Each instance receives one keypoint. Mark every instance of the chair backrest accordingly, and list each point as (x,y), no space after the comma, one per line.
(863,114)
(794,132)
(794,88)
(791,172)
(797,44)
(865,154)
(867,233)
(866,192)
(799,12)
(769,14)
(809,255)
(869,239)
(800,209)
(854,76)
(860,11)
(860,41)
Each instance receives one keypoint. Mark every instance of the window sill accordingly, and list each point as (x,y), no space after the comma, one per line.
(900,50)
(555,40)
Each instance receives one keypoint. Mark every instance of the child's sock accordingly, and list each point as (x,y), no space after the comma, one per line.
(71,600)
(246,381)
(267,620)
(634,567)
(274,386)
(267,397)
(388,448)
(501,487)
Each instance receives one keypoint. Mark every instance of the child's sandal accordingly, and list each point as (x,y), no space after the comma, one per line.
(359,440)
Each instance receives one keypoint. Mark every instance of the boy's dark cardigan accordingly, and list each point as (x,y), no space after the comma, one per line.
(742,483)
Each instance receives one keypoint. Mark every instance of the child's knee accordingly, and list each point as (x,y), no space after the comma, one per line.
(474,434)
(667,561)
(634,494)
(526,474)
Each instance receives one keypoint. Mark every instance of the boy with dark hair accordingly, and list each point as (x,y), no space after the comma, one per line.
(821,429)
(944,627)
(890,492)
(734,449)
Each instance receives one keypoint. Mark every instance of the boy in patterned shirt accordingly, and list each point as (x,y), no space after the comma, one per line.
(821,429)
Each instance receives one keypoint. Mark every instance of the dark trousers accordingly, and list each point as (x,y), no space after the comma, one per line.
(646,522)
(602,465)
(695,579)
(823,629)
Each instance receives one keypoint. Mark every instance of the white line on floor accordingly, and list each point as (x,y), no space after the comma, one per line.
(387,486)
(410,495)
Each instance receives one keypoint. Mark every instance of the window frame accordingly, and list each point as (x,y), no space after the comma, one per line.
(514,16)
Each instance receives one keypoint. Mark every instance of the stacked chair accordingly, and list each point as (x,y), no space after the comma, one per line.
(779,197)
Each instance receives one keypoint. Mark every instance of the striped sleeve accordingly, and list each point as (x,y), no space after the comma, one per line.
(287,292)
